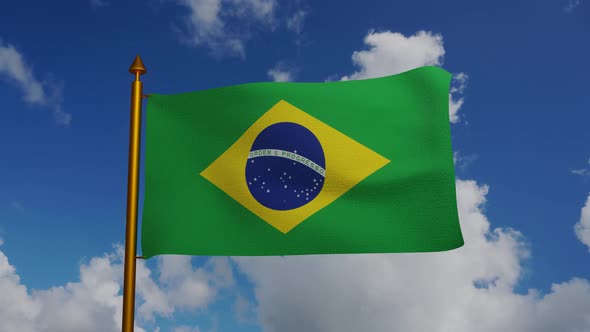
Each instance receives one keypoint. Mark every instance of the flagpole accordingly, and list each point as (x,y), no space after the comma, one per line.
(137,68)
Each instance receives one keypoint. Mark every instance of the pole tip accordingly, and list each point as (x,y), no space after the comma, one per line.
(137,66)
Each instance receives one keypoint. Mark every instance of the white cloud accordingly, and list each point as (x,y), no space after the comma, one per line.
(187,287)
(221,272)
(61,117)
(461,80)
(94,302)
(582,171)
(456,99)
(467,289)
(392,53)
(462,160)
(582,228)
(295,21)
(454,106)
(572,5)
(155,299)
(14,68)
(282,71)
(261,9)
(17,309)
(224,25)
(278,75)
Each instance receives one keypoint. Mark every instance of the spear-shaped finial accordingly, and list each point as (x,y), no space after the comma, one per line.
(137,66)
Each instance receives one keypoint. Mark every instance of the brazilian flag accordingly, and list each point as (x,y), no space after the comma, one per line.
(302,168)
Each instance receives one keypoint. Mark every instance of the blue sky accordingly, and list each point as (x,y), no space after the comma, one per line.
(519,109)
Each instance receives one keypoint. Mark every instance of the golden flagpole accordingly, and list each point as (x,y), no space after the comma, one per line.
(137,68)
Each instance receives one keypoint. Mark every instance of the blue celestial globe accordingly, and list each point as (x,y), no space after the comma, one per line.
(286,167)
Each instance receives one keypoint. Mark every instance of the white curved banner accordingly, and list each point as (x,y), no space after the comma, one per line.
(288,155)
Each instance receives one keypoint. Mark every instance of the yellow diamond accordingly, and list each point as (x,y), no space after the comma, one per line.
(347,163)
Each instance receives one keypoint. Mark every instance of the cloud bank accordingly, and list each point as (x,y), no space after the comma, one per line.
(468,289)
(94,303)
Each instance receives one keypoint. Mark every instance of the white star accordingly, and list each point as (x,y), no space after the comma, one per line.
(285,186)
(269,169)
(284,173)
(295,151)
(306,194)
(297,195)
(267,190)
(254,179)
(250,183)
(252,161)
(263,182)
